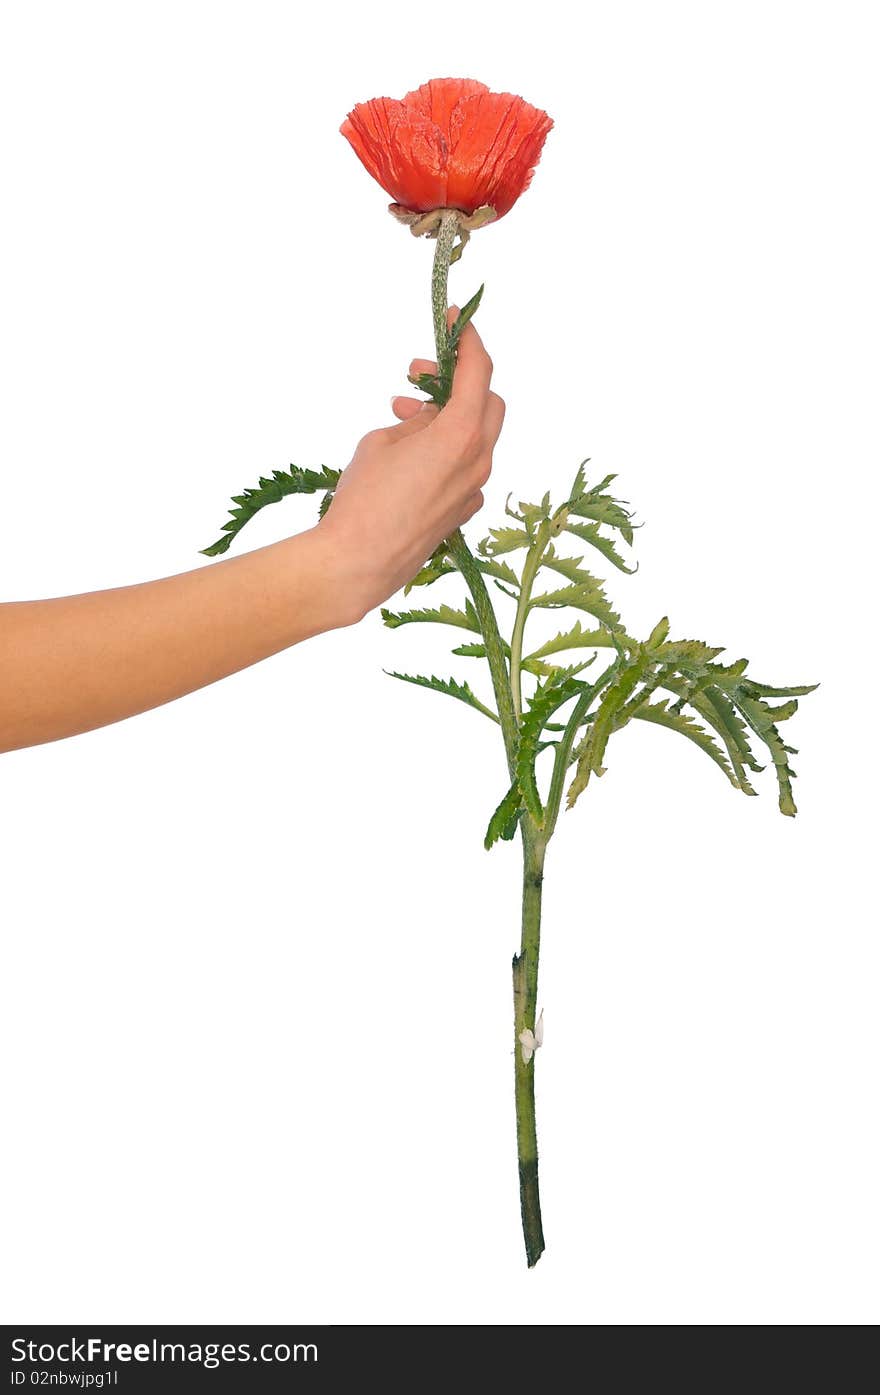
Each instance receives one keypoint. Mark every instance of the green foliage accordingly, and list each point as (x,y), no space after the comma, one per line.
(465,315)
(444,615)
(450,687)
(271,491)
(505,820)
(677,721)
(585,595)
(437,565)
(431,384)
(575,638)
(548,698)
(504,540)
(718,707)
(610,705)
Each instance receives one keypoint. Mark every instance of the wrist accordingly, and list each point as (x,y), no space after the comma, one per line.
(356,581)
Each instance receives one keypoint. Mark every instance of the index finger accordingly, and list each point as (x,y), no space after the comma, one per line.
(473,374)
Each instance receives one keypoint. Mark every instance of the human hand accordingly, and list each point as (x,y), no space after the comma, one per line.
(410,485)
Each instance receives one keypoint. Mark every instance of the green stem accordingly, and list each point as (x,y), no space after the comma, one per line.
(525,997)
(525,964)
(527,581)
(458,548)
(446,235)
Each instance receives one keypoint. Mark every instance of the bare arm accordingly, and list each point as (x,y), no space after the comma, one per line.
(79,662)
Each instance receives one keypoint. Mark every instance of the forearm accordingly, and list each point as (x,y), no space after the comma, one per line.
(79,662)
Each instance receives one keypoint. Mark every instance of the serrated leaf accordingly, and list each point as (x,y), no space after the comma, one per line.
(614,698)
(443,615)
(590,598)
(569,567)
(502,571)
(579,486)
(760,718)
(690,656)
(504,540)
(658,712)
(590,533)
(438,565)
(449,686)
(503,823)
(575,638)
(271,491)
(716,709)
(546,700)
(658,634)
(604,509)
(764,690)
(534,514)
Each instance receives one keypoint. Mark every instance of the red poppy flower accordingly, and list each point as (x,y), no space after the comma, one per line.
(450,144)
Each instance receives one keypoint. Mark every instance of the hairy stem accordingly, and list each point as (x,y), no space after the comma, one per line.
(525,997)
(458,549)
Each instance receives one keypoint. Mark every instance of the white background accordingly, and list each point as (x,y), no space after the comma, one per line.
(256,964)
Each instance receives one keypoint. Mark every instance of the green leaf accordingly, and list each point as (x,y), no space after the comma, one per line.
(614,698)
(431,384)
(271,491)
(676,721)
(448,686)
(575,638)
(473,651)
(658,634)
(504,540)
(763,690)
(588,597)
(444,615)
(589,532)
(502,571)
(718,712)
(503,822)
(534,514)
(438,565)
(569,567)
(465,315)
(760,718)
(690,656)
(579,486)
(604,509)
(547,699)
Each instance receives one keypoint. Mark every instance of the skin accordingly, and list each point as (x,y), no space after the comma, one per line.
(79,662)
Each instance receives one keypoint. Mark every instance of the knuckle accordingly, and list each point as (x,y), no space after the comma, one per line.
(483,471)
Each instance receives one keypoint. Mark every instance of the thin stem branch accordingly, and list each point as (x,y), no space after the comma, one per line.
(527,581)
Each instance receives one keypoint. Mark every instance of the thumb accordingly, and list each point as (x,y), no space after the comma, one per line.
(413,424)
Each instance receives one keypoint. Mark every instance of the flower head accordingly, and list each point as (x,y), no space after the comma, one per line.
(449,144)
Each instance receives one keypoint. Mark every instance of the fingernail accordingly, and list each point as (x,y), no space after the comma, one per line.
(394,400)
